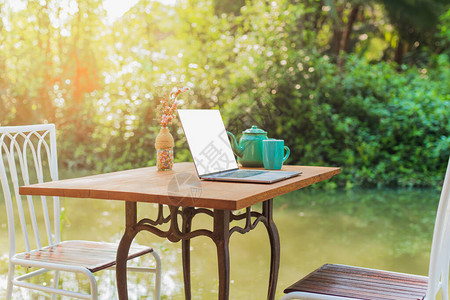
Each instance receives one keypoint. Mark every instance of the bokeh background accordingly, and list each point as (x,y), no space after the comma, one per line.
(363,85)
(357,84)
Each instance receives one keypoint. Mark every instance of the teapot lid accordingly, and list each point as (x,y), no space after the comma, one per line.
(254,130)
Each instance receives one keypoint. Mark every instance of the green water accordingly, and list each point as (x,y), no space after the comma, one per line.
(386,229)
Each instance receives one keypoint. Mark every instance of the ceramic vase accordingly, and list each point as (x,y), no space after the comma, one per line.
(164,150)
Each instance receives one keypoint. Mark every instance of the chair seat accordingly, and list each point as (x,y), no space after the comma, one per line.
(94,256)
(361,283)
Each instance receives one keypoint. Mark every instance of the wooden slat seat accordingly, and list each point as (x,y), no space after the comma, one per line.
(338,282)
(94,256)
(361,283)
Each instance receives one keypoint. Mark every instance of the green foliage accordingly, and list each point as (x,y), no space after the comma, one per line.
(283,65)
(382,127)
(415,20)
(444,31)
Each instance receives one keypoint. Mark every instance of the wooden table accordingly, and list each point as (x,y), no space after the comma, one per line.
(187,196)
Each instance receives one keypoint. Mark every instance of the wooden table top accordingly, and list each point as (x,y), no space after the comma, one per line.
(179,187)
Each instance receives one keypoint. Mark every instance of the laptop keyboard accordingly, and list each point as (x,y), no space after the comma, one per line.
(241,174)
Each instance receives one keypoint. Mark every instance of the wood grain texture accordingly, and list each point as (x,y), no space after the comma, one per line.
(94,256)
(361,283)
(179,187)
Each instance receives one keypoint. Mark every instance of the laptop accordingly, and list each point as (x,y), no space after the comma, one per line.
(212,153)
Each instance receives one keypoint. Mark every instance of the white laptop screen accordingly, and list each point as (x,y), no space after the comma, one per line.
(208,140)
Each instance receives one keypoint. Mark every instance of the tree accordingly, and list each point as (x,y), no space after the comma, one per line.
(416,23)
(228,7)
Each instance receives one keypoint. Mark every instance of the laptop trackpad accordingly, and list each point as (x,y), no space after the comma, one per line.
(253,176)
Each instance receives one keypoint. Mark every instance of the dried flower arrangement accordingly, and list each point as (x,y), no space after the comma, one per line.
(167,107)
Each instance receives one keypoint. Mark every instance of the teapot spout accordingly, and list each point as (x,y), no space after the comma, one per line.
(238,150)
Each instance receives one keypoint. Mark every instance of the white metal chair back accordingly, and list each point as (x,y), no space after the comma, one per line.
(27,156)
(440,249)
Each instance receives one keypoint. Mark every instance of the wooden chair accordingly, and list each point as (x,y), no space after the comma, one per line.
(347,282)
(28,155)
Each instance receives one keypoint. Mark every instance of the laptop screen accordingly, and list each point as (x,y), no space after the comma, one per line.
(208,140)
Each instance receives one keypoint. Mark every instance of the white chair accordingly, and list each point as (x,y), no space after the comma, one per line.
(28,155)
(334,282)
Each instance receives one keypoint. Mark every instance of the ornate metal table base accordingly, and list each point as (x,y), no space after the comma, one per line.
(220,235)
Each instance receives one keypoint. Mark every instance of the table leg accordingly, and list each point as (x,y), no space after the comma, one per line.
(220,235)
(124,247)
(221,239)
(274,247)
(186,252)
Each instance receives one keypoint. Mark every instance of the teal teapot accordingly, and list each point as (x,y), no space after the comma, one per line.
(250,148)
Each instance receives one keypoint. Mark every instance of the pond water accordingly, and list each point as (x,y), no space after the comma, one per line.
(386,229)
